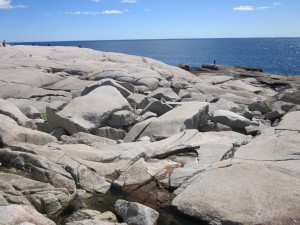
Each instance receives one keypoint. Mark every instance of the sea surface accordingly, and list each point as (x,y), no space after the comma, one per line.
(273,55)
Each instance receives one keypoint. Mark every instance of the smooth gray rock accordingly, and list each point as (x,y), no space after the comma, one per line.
(262,175)
(251,193)
(136,214)
(157,107)
(78,115)
(225,105)
(138,101)
(107,82)
(290,121)
(165,93)
(136,131)
(230,119)
(191,115)
(51,109)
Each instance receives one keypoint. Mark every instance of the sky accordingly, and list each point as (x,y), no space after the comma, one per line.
(66,20)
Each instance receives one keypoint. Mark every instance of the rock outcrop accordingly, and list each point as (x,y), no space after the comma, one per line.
(77,126)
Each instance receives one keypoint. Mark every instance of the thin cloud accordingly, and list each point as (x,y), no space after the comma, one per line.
(7,4)
(95,0)
(128,1)
(252,8)
(112,12)
(85,13)
(94,13)
(244,8)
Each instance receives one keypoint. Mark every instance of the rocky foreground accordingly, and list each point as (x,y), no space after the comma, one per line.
(220,145)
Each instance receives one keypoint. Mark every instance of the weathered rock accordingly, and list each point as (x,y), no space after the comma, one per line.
(157,107)
(262,195)
(106,82)
(142,172)
(225,105)
(51,109)
(122,118)
(18,214)
(78,115)
(274,115)
(165,93)
(31,112)
(262,175)
(136,214)
(40,167)
(44,197)
(291,121)
(86,214)
(138,101)
(10,132)
(10,110)
(191,115)
(290,95)
(111,133)
(230,119)
(58,133)
(259,106)
(136,131)
(88,139)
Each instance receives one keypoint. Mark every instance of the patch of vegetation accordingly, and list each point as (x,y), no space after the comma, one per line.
(144,60)
(44,115)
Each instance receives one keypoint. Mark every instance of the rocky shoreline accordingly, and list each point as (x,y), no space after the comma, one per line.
(216,144)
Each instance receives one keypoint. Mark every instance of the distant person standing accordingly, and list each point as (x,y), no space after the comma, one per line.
(4,43)
(214,61)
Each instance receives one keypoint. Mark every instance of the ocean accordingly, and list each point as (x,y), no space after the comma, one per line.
(273,55)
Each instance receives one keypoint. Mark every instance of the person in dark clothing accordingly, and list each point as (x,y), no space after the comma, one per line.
(4,43)
(214,62)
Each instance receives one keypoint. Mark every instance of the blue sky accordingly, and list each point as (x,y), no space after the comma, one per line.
(60,20)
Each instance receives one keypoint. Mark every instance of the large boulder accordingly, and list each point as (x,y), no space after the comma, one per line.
(230,119)
(106,82)
(165,93)
(22,214)
(9,109)
(258,186)
(191,115)
(44,197)
(78,115)
(242,193)
(157,107)
(40,167)
(10,131)
(138,101)
(136,214)
(111,133)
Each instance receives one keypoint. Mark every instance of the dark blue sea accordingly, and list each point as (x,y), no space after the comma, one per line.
(273,55)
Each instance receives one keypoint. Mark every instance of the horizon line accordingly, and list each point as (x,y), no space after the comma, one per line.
(149,39)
